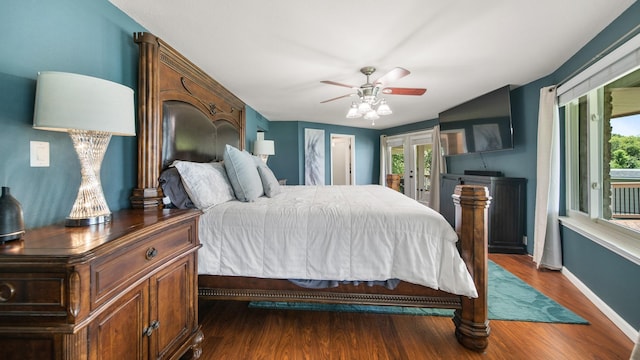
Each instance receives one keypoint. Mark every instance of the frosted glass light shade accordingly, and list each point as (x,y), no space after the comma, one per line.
(383,108)
(364,107)
(371,115)
(353,112)
(71,101)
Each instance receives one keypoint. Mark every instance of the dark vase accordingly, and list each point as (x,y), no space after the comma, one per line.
(11,219)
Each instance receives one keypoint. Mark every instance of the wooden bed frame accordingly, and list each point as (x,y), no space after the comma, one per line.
(165,76)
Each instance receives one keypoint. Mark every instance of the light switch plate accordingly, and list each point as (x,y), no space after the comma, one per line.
(39,154)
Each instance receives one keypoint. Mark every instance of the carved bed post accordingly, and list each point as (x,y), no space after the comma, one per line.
(472,324)
(147,194)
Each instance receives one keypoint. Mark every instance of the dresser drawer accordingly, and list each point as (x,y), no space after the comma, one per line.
(112,273)
(24,295)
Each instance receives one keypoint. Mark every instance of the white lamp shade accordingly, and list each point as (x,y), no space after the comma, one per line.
(70,101)
(263,147)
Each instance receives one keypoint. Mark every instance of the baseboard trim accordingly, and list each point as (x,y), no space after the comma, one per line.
(617,320)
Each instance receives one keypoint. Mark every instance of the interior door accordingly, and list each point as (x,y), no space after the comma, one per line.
(342,160)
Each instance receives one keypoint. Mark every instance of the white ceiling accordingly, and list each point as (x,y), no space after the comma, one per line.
(273,54)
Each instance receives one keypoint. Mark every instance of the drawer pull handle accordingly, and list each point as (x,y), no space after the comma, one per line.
(151,253)
(6,291)
(155,324)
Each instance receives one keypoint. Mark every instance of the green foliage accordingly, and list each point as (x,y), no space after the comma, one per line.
(397,164)
(625,152)
(427,161)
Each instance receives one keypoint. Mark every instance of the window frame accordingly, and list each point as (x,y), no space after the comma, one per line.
(611,65)
(591,224)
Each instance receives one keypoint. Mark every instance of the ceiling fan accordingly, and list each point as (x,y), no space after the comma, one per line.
(370,104)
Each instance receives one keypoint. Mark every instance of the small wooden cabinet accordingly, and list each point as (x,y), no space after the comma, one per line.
(506,215)
(122,290)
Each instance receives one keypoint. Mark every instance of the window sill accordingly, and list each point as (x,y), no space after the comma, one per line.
(617,240)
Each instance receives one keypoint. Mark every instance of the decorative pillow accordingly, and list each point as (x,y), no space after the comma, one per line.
(270,183)
(243,174)
(206,183)
(173,189)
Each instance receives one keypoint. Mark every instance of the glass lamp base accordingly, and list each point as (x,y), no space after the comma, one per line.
(88,221)
(90,206)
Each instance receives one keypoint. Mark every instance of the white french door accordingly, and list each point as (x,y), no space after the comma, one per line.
(409,156)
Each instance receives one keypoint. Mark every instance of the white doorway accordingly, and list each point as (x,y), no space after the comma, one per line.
(342,159)
(408,157)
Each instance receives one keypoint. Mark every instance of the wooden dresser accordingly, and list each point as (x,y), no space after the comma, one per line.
(506,214)
(122,290)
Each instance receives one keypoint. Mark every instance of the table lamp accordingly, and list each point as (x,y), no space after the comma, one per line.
(90,110)
(263,148)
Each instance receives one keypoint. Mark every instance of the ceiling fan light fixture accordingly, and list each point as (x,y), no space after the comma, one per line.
(353,112)
(369,104)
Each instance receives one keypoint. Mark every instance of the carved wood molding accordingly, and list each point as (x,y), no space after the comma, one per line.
(452,302)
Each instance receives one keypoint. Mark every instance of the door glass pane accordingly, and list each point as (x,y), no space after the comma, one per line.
(583,158)
(423,171)
(397,167)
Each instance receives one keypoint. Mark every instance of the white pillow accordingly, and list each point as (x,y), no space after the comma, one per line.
(206,183)
(270,183)
(243,174)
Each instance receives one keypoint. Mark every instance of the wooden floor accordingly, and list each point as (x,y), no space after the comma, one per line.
(233,331)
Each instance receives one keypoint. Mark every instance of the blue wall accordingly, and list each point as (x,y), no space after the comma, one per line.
(254,122)
(288,162)
(613,278)
(89,37)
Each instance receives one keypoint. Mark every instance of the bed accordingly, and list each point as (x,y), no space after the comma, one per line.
(187,116)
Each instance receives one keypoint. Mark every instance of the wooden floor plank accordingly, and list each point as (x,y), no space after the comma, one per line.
(233,331)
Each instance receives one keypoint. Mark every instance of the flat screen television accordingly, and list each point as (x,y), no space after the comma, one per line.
(479,125)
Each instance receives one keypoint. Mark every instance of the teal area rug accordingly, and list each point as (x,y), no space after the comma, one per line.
(509,299)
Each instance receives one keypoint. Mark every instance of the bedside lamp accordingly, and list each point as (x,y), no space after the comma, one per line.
(90,110)
(263,148)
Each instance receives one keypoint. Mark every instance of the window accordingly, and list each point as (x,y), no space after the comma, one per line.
(603,154)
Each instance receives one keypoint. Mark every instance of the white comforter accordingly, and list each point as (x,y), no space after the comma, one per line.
(333,233)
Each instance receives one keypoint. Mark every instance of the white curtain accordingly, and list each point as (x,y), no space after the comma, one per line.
(383,160)
(438,166)
(547,249)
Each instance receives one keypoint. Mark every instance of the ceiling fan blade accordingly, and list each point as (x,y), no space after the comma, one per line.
(393,75)
(336,98)
(338,84)
(403,91)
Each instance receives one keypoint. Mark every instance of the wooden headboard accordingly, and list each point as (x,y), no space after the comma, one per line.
(174,97)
